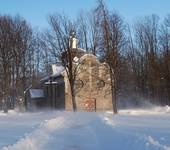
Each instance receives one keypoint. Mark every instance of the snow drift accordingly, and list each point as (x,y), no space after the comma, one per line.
(131,129)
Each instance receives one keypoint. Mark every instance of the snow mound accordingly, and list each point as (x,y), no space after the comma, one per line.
(147,111)
(133,129)
(156,144)
(38,138)
(54,124)
(10,112)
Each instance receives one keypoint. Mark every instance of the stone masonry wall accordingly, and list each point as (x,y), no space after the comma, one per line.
(92,83)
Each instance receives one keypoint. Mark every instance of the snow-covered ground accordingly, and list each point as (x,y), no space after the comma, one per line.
(131,129)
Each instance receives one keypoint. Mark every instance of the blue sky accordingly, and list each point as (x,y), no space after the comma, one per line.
(36,11)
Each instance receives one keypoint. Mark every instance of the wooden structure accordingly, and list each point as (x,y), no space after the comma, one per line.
(54,93)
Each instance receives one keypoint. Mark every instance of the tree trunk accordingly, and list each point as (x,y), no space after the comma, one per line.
(113,89)
(73,98)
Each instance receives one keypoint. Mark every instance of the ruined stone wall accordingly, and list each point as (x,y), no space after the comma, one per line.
(92,84)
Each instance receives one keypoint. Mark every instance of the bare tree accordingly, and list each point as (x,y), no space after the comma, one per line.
(89,31)
(15,43)
(164,39)
(6,52)
(112,42)
(146,33)
(59,42)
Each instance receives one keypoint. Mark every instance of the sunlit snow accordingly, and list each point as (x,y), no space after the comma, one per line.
(131,129)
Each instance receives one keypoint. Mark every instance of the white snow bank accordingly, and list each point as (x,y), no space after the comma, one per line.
(156,144)
(134,129)
(37,139)
(149,126)
(54,124)
(10,112)
(148,111)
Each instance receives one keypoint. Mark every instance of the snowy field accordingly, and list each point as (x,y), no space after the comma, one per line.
(131,129)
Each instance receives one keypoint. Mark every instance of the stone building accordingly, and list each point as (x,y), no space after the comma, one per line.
(92,82)
(92,85)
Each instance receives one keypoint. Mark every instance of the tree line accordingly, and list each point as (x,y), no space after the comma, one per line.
(138,56)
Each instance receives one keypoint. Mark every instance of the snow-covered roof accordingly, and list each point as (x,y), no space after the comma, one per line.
(48,82)
(36,93)
(55,82)
(44,78)
(88,56)
(57,69)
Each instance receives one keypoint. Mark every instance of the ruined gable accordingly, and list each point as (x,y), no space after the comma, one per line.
(92,85)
